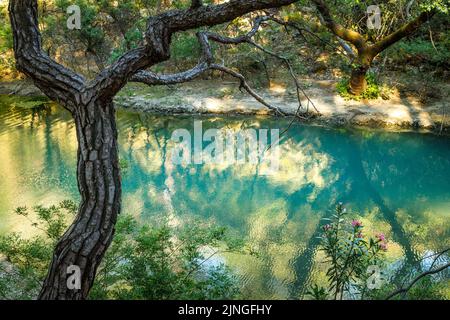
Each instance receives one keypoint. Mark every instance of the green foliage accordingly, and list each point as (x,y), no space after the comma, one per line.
(90,33)
(7,62)
(439,5)
(110,28)
(317,292)
(428,289)
(373,90)
(28,102)
(349,253)
(25,261)
(5,34)
(185,46)
(423,51)
(124,165)
(145,261)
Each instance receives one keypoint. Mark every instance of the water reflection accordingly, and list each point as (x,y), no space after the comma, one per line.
(397,182)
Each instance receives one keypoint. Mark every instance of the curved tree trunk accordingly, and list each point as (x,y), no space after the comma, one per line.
(87,240)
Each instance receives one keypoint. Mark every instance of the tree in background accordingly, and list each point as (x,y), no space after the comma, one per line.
(371,42)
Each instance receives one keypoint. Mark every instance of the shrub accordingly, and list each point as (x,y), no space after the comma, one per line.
(349,254)
(373,91)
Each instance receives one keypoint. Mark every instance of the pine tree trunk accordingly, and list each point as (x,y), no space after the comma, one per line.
(99,183)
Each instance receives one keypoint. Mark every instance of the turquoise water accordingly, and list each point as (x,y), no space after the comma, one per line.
(397,182)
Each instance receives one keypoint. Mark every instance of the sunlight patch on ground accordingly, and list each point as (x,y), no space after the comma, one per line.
(277,88)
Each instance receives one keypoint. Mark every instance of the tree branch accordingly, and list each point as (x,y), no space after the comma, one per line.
(56,81)
(405,30)
(206,63)
(158,36)
(70,88)
(351,36)
(301,29)
(422,275)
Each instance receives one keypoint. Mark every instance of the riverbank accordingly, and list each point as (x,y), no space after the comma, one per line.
(401,111)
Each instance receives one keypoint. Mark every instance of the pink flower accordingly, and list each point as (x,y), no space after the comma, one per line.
(326,227)
(356,223)
(380,237)
(383,246)
(360,235)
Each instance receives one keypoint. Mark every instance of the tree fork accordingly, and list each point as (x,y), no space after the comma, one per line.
(367,52)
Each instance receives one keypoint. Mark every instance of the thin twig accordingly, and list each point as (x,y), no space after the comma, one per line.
(422,275)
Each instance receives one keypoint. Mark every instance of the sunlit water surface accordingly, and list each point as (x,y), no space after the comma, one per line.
(397,182)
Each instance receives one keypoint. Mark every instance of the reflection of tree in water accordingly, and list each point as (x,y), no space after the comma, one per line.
(235,196)
(389,214)
(222,196)
(355,172)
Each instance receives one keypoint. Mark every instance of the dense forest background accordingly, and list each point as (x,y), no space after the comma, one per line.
(110,28)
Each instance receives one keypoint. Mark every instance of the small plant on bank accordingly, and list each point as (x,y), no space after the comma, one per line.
(349,253)
(372,92)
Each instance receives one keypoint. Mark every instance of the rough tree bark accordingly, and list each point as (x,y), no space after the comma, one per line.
(85,243)
(90,103)
(366,52)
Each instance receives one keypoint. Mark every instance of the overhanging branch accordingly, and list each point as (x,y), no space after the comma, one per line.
(402,32)
(70,89)
(206,63)
(160,29)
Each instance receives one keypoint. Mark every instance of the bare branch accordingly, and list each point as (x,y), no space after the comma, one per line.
(207,63)
(244,85)
(422,275)
(158,36)
(303,29)
(286,61)
(153,79)
(70,88)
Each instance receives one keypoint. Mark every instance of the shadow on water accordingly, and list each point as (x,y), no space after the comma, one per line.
(304,263)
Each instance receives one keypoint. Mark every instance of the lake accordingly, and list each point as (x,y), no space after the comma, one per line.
(397,183)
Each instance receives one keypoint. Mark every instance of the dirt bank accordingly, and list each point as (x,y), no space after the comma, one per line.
(214,97)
